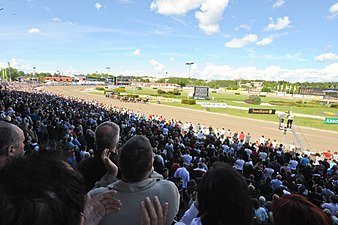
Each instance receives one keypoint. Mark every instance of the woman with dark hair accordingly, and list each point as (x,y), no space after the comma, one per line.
(297,210)
(222,198)
(45,190)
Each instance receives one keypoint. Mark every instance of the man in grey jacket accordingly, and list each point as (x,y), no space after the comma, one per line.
(136,159)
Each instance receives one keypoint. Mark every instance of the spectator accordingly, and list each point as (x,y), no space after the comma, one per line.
(297,210)
(107,136)
(47,191)
(222,199)
(261,216)
(184,174)
(11,142)
(136,165)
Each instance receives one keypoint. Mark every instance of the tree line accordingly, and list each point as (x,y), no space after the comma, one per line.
(250,85)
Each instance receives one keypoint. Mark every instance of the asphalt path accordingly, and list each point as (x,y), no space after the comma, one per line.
(314,140)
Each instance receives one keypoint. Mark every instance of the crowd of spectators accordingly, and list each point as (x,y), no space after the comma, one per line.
(183,153)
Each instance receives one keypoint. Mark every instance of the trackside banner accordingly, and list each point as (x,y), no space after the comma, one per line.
(261,111)
(213,105)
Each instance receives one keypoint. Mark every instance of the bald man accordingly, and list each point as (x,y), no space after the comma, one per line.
(11,142)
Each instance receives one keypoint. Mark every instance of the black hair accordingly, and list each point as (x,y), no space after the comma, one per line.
(136,158)
(40,190)
(223,197)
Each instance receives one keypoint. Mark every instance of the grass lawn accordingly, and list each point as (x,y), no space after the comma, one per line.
(233,100)
(96,92)
(300,121)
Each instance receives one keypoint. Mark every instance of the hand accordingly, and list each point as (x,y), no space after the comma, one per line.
(275,196)
(98,207)
(196,199)
(152,213)
(110,166)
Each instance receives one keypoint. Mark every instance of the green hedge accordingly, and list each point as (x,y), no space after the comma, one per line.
(100,88)
(119,89)
(282,103)
(188,101)
(334,105)
(115,90)
(160,92)
(107,90)
(253,99)
(174,92)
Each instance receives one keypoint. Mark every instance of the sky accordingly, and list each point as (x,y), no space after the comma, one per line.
(291,40)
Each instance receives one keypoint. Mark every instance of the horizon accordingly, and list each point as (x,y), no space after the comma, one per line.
(270,40)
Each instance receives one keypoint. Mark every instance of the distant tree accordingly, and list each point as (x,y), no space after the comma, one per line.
(253,99)
(266,89)
(160,92)
(145,80)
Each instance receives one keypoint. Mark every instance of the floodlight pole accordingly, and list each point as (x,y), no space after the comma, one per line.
(108,68)
(189,64)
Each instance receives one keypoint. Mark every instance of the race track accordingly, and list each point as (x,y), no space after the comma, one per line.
(313,139)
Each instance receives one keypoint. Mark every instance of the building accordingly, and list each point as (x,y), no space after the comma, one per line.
(327,93)
(59,79)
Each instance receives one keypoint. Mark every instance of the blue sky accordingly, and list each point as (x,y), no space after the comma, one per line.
(293,40)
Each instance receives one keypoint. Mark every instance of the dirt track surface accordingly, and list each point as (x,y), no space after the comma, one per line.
(313,139)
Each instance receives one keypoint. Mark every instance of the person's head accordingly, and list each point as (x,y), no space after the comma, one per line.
(261,200)
(45,191)
(223,197)
(106,136)
(11,142)
(297,210)
(334,199)
(136,159)
(255,203)
(165,172)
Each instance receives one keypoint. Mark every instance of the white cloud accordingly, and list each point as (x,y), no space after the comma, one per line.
(156,65)
(215,71)
(327,57)
(210,14)
(243,27)
(137,52)
(327,74)
(3,65)
(70,71)
(172,58)
(57,19)
(26,67)
(34,30)
(174,7)
(280,24)
(98,5)
(278,4)
(332,69)
(333,10)
(265,41)
(241,42)
(46,8)
(13,63)
(125,1)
